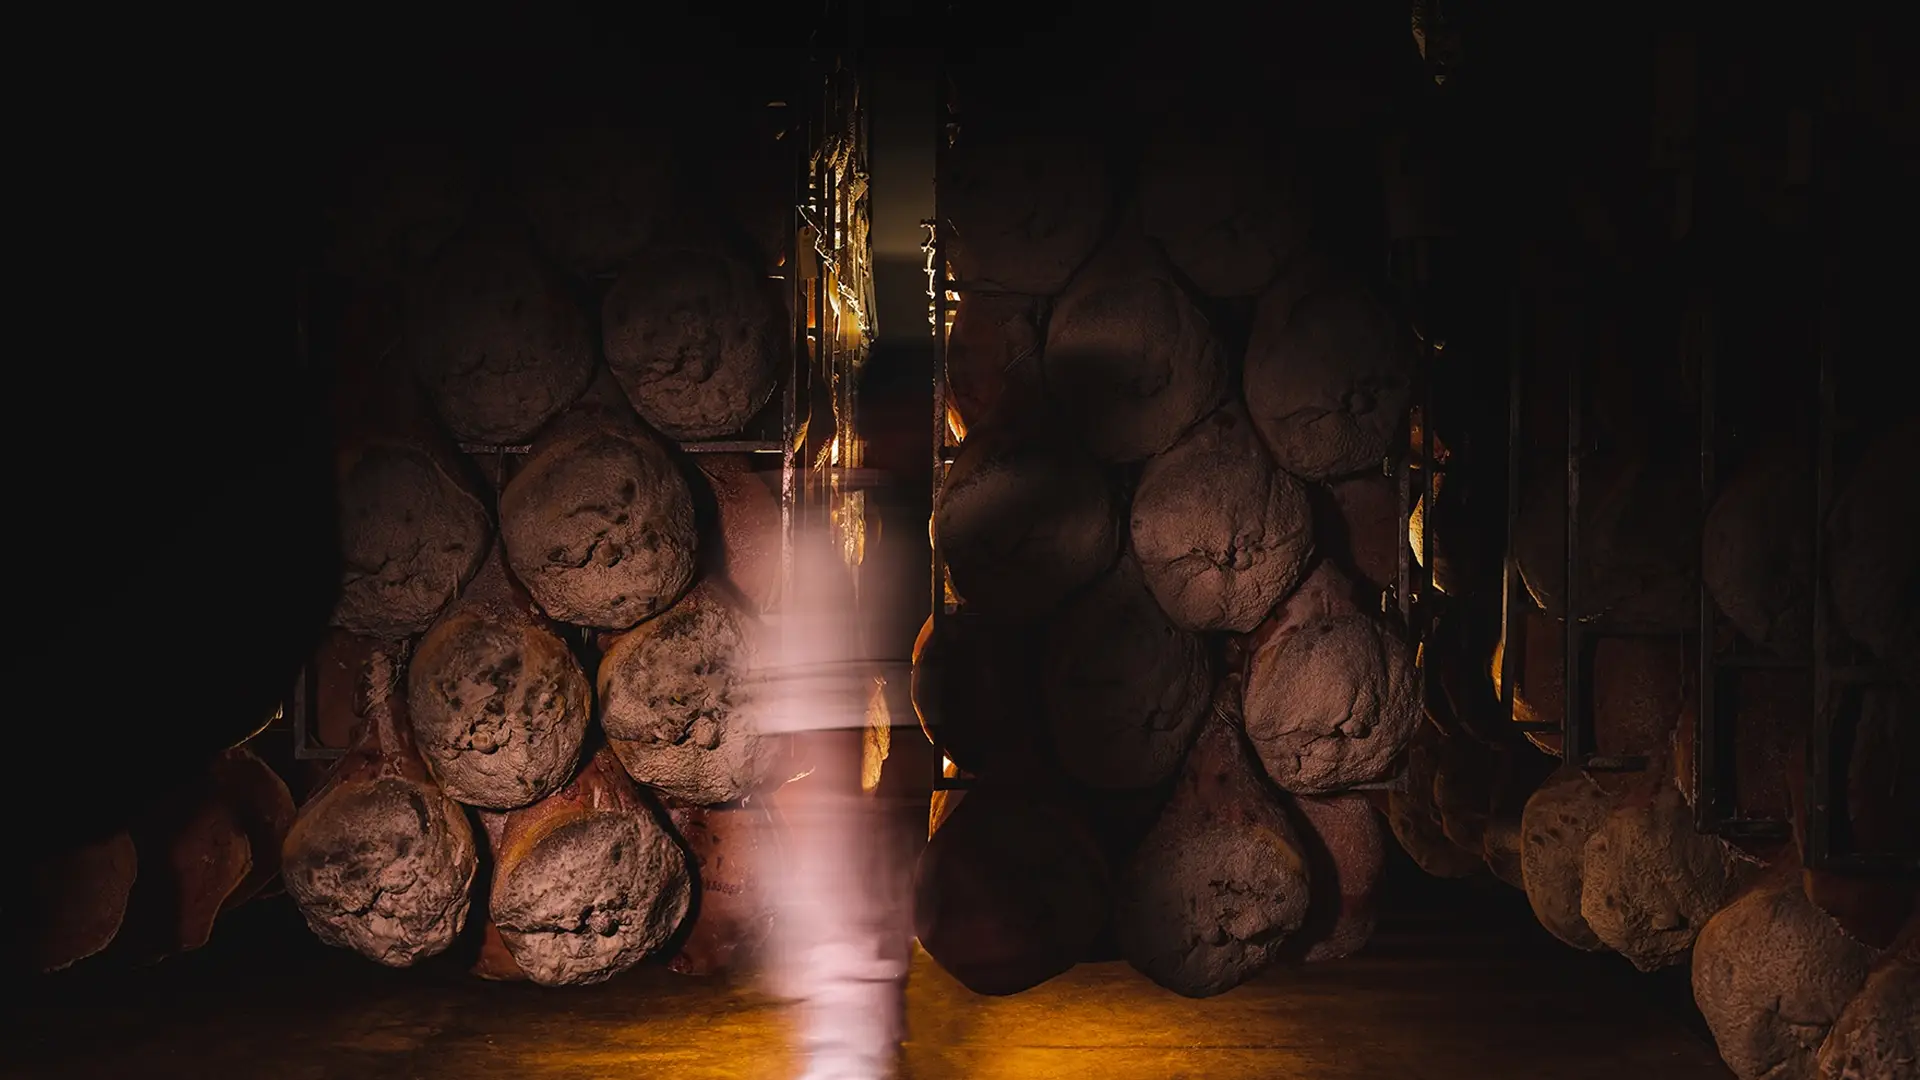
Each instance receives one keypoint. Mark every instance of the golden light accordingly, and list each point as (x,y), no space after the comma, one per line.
(278,714)
(878,742)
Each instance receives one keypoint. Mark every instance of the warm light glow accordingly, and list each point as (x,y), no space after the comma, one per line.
(278,714)
(1416,437)
(879,738)
(1416,534)
(1498,668)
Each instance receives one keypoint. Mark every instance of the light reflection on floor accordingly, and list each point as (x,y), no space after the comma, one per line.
(1425,1005)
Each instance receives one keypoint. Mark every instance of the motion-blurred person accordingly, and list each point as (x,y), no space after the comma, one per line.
(842,940)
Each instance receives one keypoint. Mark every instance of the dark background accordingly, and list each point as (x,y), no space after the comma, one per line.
(169,507)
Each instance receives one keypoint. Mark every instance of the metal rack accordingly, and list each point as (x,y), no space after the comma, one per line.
(1409,260)
(1415,595)
(942,291)
(827,273)
(835,219)
(1513,592)
(1716,805)
(1825,846)
(840,304)
(1583,634)
(1836,682)
(1414,592)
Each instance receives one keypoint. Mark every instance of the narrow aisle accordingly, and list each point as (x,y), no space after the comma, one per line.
(1458,983)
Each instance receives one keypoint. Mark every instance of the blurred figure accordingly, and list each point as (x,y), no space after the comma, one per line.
(841,937)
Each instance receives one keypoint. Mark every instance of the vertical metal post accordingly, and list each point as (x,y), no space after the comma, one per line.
(1577,743)
(1715,779)
(1403,266)
(1428,592)
(1820,732)
(1709,804)
(799,138)
(1832,685)
(822,336)
(1401,469)
(1432,496)
(938,285)
(1817,842)
(1512,620)
(1417,589)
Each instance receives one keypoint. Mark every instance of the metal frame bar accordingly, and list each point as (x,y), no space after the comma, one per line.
(301,704)
(1822,852)
(812,344)
(1512,627)
(1414,589)
(1513,630)
(798,129)
(1819,836)
(937,286)
(1576,721)
(1426,599)
(843,293)
(1578,738)
(1400,596)
(1716,806)
(818,219)
(942,604)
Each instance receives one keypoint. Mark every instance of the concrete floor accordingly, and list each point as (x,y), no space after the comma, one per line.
(1462,985)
